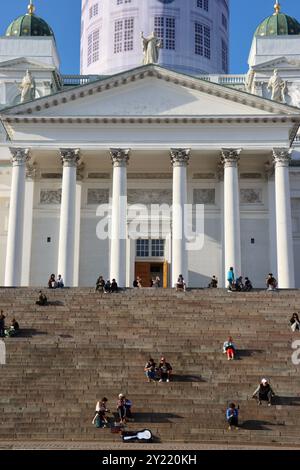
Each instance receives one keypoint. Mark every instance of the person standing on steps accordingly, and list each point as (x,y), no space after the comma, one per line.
(264,392)
(100,419)
(2,324)
(230,279)
(232,416)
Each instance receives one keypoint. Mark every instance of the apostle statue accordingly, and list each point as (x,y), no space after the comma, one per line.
(278,87)
(27,88)
(151,46)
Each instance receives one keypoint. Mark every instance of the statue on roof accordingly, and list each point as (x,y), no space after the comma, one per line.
(278,86)
(27,88)
(151,46)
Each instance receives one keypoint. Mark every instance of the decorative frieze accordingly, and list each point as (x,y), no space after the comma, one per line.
(19,156)
(99,176)
(251,196)
(52,176)
(50,196)
(204,176)
(204,196)
(153,196)
(180,157)
(97,196)
(120,157)
(150,176)
(250,176)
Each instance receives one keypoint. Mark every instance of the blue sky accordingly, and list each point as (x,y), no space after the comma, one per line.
(64,18)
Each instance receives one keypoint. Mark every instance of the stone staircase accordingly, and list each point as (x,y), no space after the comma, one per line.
(90,345)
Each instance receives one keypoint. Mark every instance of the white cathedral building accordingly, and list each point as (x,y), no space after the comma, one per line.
(175,132)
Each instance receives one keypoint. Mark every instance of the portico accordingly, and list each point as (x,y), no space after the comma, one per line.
(164,152)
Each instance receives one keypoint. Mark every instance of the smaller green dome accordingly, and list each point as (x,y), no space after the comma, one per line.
(278,24)
(29,25)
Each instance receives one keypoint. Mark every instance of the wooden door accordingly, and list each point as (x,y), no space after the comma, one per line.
(142,270)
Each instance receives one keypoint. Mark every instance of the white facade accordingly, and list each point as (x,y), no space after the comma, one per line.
(195,34)
(229,137)
(155,136)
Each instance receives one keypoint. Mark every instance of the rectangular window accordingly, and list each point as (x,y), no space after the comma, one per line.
(158,248)
(164,27)
(202,40)
(120,2)
(94,10)
(150,248)
(224,56)
(142,248)
(124,34)
(224,21)
(204,4)
(93,47)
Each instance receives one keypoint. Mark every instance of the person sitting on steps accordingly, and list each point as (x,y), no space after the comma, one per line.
(165,370)
(100,283)
(295,322)
(128,405)
(60,282)
(114,286)
(52,284)
(229,349)
(213,283)
(239,284)
(264,392)
(150,369)
(107,287)
(232,416)
(42,299)
(271,282)
(100,419)
(13,330)
(248,285)
(181,285)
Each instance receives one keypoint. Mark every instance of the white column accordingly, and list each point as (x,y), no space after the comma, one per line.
(28,223)
(232,229)
(13,268)
(285,254)
(269,171)
(179,159)
(66,250)
(120,158)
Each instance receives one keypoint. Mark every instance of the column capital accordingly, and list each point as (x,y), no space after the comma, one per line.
(70,157)
(180,157)
(230,157)
(19,156)
(281,156)
(120,157)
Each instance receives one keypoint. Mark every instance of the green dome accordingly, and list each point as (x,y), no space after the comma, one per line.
(278,25)
(29,25)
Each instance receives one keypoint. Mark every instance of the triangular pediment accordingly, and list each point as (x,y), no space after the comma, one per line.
(282,63)
(150,91)
(22,64)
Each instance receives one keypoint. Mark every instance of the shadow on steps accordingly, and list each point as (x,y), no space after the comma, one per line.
(187,378)
(256,425)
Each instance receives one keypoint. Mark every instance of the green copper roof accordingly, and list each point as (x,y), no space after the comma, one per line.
(277,25)
(29,25)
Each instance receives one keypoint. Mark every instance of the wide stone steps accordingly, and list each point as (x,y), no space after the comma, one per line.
(86,345)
